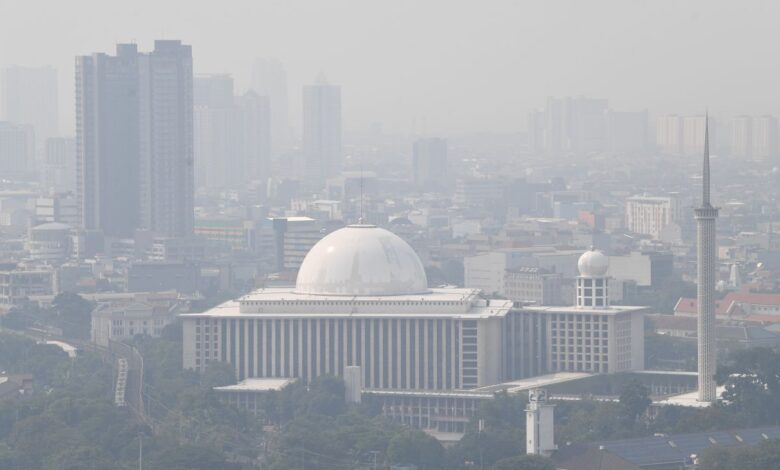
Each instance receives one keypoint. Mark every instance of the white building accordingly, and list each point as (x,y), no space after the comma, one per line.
(117,321)
(361,299)
(593,335)
(649,215)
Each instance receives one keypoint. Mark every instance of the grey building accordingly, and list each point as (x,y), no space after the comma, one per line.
(29,96)
(321,132)
(429,164)
(134,140)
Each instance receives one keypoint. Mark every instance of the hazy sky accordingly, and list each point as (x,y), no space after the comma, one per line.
(438,66)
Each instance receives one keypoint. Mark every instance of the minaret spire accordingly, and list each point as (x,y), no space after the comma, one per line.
(706,260)
(705,198)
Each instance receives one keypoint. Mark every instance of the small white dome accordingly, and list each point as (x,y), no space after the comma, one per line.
(593,263)
(361,260)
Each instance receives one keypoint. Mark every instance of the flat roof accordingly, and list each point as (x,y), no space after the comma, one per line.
(539,381)
(611,310)
(275,294)
(258,385)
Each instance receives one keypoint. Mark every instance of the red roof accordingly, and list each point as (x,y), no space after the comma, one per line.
(726,305)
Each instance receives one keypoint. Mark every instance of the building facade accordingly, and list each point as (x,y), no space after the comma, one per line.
(649,215)
(321,132)
(134,140)
(361,299)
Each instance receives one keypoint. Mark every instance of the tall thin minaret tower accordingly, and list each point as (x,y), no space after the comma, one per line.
(706,256)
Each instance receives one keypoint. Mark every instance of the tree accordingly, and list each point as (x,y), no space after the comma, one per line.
(752,380)
(73,314)
(634,400)
(416,448)
(525,462)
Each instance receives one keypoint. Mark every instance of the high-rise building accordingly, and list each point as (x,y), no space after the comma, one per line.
(254,121)
(29,96)
(321,132)
(706,248)
(59,165)
(742,137)
(167,163)
(693,130)
(765,138)
(232,134)
(429,164)
(649,215)
(17,150)
(216,133)
(269,78)
(134,144)
(669,138)
(576,126)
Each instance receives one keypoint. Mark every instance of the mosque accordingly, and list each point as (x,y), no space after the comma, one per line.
(362,299)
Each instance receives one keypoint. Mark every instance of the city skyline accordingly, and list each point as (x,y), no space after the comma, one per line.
(432,70)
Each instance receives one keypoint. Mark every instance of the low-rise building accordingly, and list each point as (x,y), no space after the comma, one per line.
(118,321)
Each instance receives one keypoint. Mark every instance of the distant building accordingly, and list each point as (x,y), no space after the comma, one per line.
(134,142)
(59,165)
(29,96)
(18,283)
(754,138)
(576,125)
(765,138)
(477,192)
(17,150)
(533,285)
(429,164)
(119,321)
(742,137)
(650,269)
(293,238)
(269,79)
(649,215)
(669,136)
(59,207)
(321,132)
(50,243)
(162,276)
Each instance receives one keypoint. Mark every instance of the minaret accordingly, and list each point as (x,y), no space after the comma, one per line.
(705,255)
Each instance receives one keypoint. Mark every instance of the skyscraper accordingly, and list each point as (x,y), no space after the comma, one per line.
(321,132)
(17,150)
(29,96)
(706,216)
(167,160)
(269,78)
(254,121)
(232,134)
(742,137)
(765,138)
(429,164)
(134,140)
(216,146)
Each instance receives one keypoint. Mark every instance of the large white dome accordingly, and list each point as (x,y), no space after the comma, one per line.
(593,263)
(361,260)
